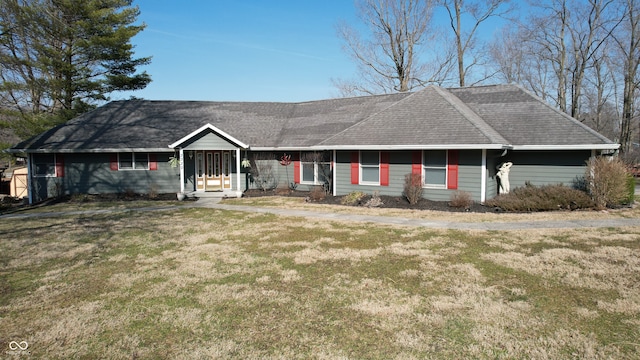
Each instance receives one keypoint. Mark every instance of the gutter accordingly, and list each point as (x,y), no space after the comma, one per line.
(86,151)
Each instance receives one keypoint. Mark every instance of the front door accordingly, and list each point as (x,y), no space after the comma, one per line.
(213,170)
(213,175)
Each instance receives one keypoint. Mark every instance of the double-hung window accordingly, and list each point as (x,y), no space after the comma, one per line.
(133,161)
(434,167)
(370,167)
(316,168)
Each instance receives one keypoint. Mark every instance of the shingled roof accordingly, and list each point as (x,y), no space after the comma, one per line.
(479,117)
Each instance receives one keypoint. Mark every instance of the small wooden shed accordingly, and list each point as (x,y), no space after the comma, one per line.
(18,184)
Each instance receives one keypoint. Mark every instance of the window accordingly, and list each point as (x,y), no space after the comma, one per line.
(44,165)
(434,165)
(133,161)
(216,164)
(226,164)
(316,168)
(200,164)
(209,164)
(370,167)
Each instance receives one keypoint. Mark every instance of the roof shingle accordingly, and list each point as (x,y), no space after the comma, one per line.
(496,115)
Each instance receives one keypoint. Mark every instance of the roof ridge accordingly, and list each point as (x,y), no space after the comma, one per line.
(474,118)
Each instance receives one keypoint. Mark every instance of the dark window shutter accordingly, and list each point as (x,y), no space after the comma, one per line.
(113,162)
(295,157)
(384,168)
(355,167)
(153,162)
(59,165)
(416,162)
(452,169)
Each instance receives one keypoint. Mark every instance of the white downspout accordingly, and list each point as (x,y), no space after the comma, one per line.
(238,189)
(483,177)
(181,170)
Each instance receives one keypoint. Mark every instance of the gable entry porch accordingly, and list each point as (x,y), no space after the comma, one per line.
(210,163)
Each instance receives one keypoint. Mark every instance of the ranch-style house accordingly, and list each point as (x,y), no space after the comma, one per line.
(453,138)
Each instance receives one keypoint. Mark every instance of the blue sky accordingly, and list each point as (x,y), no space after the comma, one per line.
(251,50)
(245,50)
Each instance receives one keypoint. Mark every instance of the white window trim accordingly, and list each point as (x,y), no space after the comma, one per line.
(316,173)
(55,169)
(133,162)
(360,166)
(446,172)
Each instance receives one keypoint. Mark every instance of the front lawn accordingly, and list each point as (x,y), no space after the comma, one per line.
(200,283)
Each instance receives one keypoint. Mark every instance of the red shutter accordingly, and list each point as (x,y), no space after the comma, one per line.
(153,162)
(384,168)
(452,170)
(59,165)
(355,167)
(416,162)
(295,157)
(113,162)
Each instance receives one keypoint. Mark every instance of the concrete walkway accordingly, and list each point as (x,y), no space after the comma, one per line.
(214,203)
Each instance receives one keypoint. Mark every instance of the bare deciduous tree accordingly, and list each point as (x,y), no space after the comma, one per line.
(589,32)
(628,41)
(599,111)
(465,37)
(388,57)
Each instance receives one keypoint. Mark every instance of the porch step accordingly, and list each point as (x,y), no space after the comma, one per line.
(211,194)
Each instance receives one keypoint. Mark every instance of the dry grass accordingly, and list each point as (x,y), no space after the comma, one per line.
(202,283)
(300,204)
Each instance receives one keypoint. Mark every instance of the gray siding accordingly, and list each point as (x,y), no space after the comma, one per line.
(91,174)
(469,173)
(493,159)
(208,141)
(546,167)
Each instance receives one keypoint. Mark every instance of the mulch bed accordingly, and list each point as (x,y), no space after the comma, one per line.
(395,202)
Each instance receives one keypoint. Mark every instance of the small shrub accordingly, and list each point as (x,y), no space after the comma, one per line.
(375,200)
(352,198)
(631,189)
(461,199)
(317,194)
(607,181)
(413,188)
(543,198)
